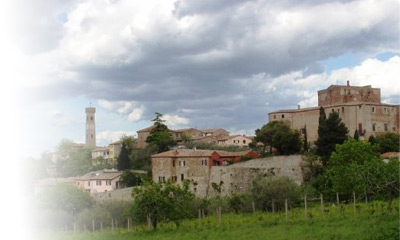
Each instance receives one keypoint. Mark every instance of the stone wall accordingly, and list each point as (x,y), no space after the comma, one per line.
(123,194)
(237,177)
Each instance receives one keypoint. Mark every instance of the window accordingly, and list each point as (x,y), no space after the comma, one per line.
(173,162)
(244,141)
(360,129)
(204,162)
(386,127)
(182,177)
(108,182)
(384,110)
(283,115)
(373,109)
(274,116)
(182,163)
(359,106)
(98,182)
(88,183)
(91,118)
(342,109)
(333,110)
(374,127)
(174,178)
(91,135)
(161,179)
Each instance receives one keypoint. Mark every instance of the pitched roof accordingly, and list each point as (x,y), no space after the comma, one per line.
(198,153)
(390,155)
(222,138)
(101,175)
(148,129)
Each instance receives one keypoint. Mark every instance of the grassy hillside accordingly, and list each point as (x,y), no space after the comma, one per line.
(366,223)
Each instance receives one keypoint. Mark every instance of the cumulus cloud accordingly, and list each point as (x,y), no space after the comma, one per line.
(104,138)
(175,120)
(132,109)
(212,63)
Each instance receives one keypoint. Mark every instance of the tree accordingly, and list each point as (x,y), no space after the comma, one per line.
(356,135)
(129,142)
(72,159)
(123,161)
(278,134)
(389,142)
(64,197)
(237,202)
(287,141)
(306,145)
(346,164)
(130,179)
(268,190)
(331,131)
(372,140)
(357,166)
(160,136)
(161,200)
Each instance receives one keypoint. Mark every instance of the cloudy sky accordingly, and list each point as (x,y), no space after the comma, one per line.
(202,63)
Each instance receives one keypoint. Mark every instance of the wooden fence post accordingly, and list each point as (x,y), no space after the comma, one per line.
(354,202)
(101,226)
(305,206)
(286,209)
(93,225)
(199,217)
(337,199)
(254,207)
(128,225)
(112,224)
(322,203)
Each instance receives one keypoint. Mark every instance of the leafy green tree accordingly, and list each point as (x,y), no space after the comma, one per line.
(130,179)
(64,197)
(278,134)
(357,166)
(266,190)
(162,201)
(346,164)
(129,142)
(160,136)
(123,161)
(287,141)
(141,158)
(237,202)
(72,159)
(331,131)
(186,138)
(389,142)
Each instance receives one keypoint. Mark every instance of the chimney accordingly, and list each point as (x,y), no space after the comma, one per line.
(348,83)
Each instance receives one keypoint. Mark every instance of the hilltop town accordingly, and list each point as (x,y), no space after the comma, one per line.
(359,107)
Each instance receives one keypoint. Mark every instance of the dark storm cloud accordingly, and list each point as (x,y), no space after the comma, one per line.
(168,68)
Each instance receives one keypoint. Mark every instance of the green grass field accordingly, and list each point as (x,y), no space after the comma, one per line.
(366,223)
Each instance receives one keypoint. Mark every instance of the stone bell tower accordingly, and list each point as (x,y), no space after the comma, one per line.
(90,127)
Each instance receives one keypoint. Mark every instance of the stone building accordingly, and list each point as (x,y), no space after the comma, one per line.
(201,135)
(235,140)
(194,165)
(360,109)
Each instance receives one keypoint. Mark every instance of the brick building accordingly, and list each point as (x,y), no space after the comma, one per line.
(360,109)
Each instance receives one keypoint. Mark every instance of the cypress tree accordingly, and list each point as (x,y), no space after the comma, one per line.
(331,131)
(356,135)
(123,161)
